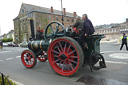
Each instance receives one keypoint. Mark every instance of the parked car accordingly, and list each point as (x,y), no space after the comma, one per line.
(12,44)
(24,44)
(5,44)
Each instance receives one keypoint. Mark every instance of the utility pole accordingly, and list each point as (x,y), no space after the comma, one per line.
(62,11)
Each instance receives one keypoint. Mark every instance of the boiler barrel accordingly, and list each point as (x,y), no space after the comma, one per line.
(38,45)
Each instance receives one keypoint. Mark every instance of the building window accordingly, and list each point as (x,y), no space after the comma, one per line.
(53,17)
(62,19)
(72,20)
(50,17)
(23,11)
(67,19)
(56,17)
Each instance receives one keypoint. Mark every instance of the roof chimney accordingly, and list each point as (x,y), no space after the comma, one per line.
(74,14)
(64,11)
(126,20)
(52,9)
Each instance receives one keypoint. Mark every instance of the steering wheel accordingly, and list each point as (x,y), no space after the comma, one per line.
(53,30)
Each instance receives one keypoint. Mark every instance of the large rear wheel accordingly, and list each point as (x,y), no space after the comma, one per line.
(65,56)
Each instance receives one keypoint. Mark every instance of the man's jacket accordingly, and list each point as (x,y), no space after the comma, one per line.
(78,24)
(124,39)
(88,27)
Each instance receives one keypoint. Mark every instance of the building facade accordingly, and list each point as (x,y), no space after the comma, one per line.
(41,17)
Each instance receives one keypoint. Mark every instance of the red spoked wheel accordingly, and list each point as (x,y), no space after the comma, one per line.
(43,57)
(65,56)
(28,58)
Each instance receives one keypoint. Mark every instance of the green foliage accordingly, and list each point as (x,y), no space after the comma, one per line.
(7,40)
(6,81)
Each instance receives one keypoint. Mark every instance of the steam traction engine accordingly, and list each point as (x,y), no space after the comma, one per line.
(63,51)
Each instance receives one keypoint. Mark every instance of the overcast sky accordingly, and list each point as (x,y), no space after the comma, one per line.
(99,11)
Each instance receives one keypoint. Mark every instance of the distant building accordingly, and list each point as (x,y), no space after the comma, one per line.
(114,32)
(41,16)
(10,34)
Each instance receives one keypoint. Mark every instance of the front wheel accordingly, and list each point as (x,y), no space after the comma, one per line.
(28,58)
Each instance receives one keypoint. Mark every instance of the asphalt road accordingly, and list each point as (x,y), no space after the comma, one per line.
(42,73)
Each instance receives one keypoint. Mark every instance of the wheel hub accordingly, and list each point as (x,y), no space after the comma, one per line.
(63,57)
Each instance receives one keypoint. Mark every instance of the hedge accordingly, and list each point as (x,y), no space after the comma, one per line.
(7,40)
(6,81)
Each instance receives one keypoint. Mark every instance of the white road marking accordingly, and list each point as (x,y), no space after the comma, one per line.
(18,50)
(1,60)
(114,52)
(9,58)
(5,51)
(116,62)
(119,55)
(18,56)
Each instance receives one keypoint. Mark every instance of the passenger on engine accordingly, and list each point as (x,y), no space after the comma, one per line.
(88,29)
(39,34)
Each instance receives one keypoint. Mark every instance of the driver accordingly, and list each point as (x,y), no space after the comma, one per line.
(39,33)
(77,26)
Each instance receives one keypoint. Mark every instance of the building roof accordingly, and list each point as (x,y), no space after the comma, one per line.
(32,8)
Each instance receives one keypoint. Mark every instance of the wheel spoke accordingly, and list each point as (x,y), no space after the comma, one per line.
(57,28)
(51,29)
(68,48)
(63,67)
(56,56)
(70,65)
(72,61)
(56,60)
(60,46)
(60,63)
(55,51)
(58,49)
(67,66)
(72,52)
(58,35)
(73,56)
(65,47)
(49,35)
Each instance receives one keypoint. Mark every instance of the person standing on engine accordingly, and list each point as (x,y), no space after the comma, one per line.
(88,29)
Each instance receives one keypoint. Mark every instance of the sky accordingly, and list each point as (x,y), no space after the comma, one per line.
(99,11)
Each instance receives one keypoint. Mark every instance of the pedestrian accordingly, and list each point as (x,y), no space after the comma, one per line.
(124,41)
(88,29)
(0,45)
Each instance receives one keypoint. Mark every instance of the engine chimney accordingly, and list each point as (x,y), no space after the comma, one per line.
(32,29)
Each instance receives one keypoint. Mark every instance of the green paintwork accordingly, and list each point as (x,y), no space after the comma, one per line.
(38,45)
(93,43)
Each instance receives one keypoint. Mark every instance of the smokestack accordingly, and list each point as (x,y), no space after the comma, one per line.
(64,11)
(52,10)
(74,14)
(32,29)
(127,20)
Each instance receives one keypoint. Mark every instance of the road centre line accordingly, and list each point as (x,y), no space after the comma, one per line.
(5,51)
(113,52)
(1,60)
(9,58)
(116,62)
(18,56)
